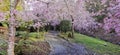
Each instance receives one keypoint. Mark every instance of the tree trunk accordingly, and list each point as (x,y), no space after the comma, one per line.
(11,34)
(12,30)
(38,32)
(54,28)
(11,41)
(72,30)
(72,26)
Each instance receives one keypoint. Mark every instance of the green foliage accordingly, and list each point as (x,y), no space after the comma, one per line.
(65,25)
(33,34)
(19,6)
(99,18)
(97,45)
(3,47)
(19,47)
(3,52)
(4,24)
(70,35)
(24,26)
(21,33)
(4,5)
(47,27)
(30,46)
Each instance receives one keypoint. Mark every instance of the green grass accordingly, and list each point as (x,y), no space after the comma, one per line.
(32,35)
(97,45)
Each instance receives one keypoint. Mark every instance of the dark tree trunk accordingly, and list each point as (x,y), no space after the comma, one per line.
(54,27)
(72,27)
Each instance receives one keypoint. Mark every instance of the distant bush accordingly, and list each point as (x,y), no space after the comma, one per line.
(65,25)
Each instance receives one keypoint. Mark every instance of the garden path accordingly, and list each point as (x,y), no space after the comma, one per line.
(60,46)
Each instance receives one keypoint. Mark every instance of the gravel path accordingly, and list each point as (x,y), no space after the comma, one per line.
(60,46)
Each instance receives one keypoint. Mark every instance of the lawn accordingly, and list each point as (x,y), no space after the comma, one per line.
(97,45)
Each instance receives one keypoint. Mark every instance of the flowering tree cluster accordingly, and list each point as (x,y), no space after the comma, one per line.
(106,12)
(83,22)
(112,22)
(98,8)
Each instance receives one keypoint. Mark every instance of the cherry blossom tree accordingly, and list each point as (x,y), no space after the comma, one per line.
(106,12)
(82,18)
(13,4)
(112,21)
(2,16)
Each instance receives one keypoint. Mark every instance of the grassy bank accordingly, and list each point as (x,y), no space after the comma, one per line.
(96,45)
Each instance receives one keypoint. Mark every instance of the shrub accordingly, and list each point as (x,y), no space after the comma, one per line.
(65,25)
(70,35)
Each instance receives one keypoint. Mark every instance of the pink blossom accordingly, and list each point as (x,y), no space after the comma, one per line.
(2,16)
